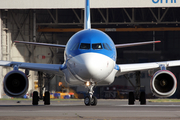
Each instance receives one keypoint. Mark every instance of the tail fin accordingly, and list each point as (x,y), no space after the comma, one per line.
(87,23)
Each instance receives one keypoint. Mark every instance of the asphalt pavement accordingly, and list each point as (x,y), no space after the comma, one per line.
(76,110)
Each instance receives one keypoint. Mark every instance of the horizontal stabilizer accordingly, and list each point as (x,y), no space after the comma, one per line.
(43,44)
(135,44)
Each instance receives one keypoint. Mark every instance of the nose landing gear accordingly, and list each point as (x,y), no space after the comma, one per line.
(90,99)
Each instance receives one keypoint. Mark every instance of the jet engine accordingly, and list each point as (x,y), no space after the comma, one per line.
(163,83)
(15,83)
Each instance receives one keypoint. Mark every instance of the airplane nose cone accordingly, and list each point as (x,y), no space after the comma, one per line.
(94,66)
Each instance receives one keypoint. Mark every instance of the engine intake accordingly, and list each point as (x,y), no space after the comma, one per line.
(163,83)
(15,83)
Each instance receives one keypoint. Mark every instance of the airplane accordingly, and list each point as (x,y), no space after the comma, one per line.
(89,60)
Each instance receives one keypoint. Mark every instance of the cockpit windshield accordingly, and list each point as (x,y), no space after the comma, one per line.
(106,46)
(97,46)
(85,46)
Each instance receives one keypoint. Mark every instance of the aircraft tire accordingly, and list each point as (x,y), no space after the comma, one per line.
(35,98)
(131,98)
(94,101)
(87,100)
(47,98)
(142,98)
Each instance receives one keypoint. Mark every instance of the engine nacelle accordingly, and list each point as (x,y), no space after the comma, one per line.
(15,83)
(163,83)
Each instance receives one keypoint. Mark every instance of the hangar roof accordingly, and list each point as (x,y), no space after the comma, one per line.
(67,4)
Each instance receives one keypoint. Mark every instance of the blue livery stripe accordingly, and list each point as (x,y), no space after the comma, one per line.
(91,37)
(63,66)
(117,67)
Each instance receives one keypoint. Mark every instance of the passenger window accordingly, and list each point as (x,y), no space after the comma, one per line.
(97,46)
(85,46)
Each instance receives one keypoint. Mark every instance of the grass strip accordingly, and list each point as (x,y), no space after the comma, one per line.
(164,100)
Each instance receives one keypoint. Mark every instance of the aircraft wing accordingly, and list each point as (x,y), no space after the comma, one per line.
(128,68)
(48,68)
(135,44)
(43,44)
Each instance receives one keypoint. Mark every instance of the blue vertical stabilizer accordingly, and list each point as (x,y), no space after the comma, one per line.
(87,24)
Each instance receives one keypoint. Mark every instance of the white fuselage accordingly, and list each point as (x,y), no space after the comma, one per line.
(89,66)
(90,55)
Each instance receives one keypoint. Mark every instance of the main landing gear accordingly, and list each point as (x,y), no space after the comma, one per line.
(142,98)
(36,98)
(90,99)
(46,97)
(139,93)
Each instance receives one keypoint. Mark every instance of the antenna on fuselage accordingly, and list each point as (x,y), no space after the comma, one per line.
(87,19)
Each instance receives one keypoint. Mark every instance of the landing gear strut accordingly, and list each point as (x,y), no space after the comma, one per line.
(46,97)
(139,93)
(90,99)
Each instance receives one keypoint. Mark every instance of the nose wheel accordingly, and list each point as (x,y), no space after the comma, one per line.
(87,100)
(90,99)
(94,101)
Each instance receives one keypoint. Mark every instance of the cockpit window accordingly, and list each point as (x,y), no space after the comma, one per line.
(106,46)
(85,46)
(97,46)
(75,46)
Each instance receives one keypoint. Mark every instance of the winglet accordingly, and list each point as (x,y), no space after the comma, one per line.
(87,23)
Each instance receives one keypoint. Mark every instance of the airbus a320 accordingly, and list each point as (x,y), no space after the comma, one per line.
(89,60)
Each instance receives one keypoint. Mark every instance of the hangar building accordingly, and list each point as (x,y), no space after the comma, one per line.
(125,21)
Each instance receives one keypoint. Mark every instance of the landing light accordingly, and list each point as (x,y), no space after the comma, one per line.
(87,83)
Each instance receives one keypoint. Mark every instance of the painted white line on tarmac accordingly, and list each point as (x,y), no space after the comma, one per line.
(87,111)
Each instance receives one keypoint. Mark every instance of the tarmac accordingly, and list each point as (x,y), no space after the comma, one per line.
(117,109)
